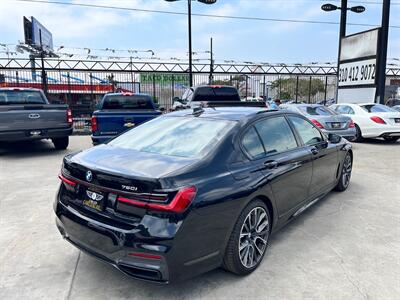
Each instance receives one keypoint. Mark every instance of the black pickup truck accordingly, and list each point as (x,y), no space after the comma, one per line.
(25,114)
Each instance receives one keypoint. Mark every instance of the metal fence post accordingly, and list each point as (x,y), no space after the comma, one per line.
(247,85)
(309,91)
(17,77)
(326,87)
(297,88)
(173,86)
(69,88)
(91,91)
(154,86)
(280,85)
(265,83)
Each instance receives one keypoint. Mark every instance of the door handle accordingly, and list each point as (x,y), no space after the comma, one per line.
(314,151)
(271,164)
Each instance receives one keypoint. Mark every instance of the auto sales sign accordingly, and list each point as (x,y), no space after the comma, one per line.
(358,67)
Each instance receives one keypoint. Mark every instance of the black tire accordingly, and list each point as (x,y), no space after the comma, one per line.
(61,143)
(345,174)
(391,139)
(359,138)
(232,261)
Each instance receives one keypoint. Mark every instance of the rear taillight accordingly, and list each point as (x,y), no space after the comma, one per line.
(69,116)
(66,180)
(316,123)
(181,201)
(378,120)
(94,124)
(351,124)
(145,255)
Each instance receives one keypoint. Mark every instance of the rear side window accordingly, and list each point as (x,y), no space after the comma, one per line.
(307,131)
(252,144)
(371,108)
(276,135)
(127,102)
(344,109)
(208,93)
(21,97)
(317,110)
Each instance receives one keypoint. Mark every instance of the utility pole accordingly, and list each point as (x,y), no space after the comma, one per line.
(383,51)
(210,81)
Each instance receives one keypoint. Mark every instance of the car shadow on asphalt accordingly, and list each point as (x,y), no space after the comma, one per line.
(29,149)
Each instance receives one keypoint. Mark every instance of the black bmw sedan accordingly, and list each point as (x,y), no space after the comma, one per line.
(197,189)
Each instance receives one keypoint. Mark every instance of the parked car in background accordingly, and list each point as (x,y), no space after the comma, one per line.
(325,119)
(118,112)
(194,96)
(25,114)
(197,189)
(372,120)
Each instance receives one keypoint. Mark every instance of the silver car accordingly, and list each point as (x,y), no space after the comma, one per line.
(325,119)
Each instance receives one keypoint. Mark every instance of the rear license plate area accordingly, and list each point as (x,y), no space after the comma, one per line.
(94,199)
(397,120)
(336,125)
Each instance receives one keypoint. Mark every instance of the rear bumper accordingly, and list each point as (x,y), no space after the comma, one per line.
(381,131)
(177,253)
(111,245)
(348,134)
(26,135)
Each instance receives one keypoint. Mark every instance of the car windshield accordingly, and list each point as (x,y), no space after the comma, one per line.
(216,93)
(127,102)
(175,136)
(21,97)
(317,110)
(376,108)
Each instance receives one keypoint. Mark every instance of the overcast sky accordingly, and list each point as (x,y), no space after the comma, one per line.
(241,40)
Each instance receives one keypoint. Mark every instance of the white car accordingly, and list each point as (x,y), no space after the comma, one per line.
(372,120)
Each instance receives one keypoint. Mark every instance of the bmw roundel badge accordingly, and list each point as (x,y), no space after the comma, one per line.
(89,176)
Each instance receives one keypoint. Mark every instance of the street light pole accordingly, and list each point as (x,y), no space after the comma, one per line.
(190,33)
(190,42)
(343,20)
(211,62)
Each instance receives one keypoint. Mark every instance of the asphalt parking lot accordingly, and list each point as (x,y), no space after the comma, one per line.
(347,246)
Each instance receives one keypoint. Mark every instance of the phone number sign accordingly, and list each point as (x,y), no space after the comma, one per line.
(356,73)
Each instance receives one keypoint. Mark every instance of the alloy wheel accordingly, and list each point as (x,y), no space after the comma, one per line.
(346,172)
(253,237)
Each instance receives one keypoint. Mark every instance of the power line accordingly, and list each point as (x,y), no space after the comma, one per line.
(199,15)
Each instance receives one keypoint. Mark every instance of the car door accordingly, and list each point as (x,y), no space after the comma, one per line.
(286,166)
(324,154)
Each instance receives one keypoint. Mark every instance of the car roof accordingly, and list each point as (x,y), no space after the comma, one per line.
(302,104)
(227,113)
(127,93)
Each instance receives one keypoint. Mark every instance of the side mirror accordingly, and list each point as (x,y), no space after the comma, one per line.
(162,109)
(334,138)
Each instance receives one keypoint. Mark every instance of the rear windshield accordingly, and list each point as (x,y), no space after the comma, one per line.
(371,108)
(216,94)
(127,102)
(175,136)
(21,97)
(317,110)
